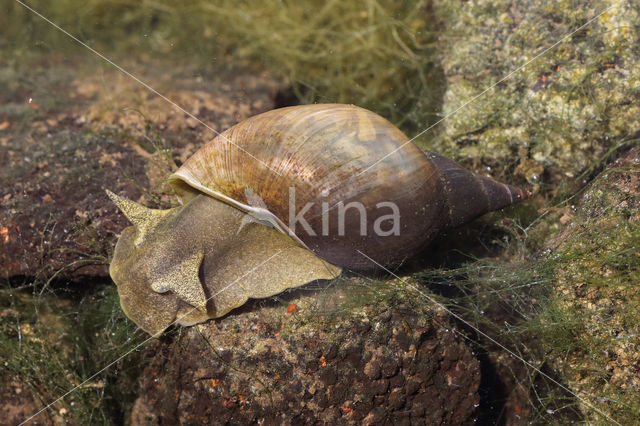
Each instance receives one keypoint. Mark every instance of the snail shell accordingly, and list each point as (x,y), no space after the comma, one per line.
(335,181)
(319,159)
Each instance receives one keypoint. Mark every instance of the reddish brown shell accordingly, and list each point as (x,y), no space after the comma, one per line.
(319,156)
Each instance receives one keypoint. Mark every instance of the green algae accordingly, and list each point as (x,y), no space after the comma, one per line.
(569,308)
(59,342)
(595,285)
(379,55)
(554,116)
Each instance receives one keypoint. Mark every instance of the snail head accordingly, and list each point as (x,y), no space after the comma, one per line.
(201,260)
(156,275)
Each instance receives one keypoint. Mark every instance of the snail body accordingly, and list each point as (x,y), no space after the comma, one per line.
(333,182)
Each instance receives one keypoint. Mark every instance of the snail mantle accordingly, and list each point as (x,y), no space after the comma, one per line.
(285,198)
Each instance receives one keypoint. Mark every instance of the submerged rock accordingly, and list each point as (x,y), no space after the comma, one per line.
(388,360)
(67,134)
(596,285)
(554,122)
(551,119)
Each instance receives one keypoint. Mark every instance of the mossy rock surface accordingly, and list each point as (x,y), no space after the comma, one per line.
(596,294)
(549,121)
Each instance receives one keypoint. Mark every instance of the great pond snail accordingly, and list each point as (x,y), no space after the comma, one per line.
(285,198)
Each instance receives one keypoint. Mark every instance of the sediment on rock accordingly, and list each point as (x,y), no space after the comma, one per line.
(359,367)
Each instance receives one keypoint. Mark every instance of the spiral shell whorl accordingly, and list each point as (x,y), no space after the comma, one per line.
(330,154)
(321,152)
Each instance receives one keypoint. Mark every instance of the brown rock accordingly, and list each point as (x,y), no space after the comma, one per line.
(55,219)
(264,365)
(17,404)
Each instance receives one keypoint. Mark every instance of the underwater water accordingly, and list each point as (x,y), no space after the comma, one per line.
(524,315)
